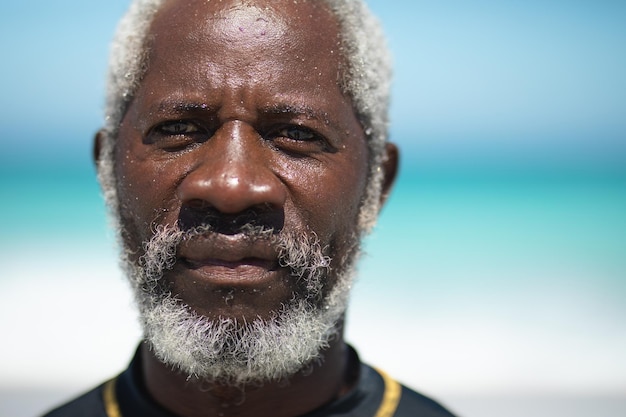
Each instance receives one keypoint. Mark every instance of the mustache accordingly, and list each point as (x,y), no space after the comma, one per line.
(257,220)
(249,231)
(301,253)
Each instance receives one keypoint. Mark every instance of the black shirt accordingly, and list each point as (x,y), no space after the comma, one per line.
(375,394)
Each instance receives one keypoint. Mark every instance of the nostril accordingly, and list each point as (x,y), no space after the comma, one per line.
(197,204)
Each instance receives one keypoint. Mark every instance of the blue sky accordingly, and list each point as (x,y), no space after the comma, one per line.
(486,79)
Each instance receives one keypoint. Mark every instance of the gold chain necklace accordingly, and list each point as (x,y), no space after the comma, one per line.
(391,396)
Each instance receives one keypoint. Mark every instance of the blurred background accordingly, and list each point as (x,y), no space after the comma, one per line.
(496,280)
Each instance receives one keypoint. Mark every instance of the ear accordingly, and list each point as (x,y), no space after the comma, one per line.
(390,170)
(98,142)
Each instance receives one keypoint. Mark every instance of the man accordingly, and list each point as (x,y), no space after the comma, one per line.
(244,156)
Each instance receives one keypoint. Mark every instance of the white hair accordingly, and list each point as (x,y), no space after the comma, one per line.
(366,81)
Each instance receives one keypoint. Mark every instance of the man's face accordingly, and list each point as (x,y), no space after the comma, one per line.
(240,124)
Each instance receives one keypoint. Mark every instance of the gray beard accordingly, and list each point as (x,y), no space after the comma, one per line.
(230,352)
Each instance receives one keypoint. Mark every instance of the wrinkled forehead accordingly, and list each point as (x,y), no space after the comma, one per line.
(250,24)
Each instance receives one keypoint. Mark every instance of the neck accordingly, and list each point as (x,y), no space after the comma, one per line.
(189,397)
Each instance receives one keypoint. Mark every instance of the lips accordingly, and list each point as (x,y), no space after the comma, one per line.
(228,259)
(212,262)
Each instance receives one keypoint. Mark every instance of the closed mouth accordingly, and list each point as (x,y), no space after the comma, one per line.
(229,260)
(214,262)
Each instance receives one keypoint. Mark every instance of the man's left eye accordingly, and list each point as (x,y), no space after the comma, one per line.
(297,140)
(178,128)
(297,133)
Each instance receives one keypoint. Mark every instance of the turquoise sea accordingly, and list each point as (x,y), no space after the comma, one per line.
(487,281)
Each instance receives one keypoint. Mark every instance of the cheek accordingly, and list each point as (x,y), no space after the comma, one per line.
(328,199)
(145,190)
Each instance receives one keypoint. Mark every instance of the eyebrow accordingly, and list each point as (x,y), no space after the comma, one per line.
(182,107)
(178,107)
(297,109)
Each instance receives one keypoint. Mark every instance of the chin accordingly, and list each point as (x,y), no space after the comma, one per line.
(238,351)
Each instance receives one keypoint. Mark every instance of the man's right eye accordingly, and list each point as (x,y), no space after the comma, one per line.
(176,135)
(178,128)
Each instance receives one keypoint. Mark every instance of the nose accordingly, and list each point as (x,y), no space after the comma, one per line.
(232,174)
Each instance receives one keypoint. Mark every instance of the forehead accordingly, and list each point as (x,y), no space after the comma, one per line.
(277,28)
(264,54)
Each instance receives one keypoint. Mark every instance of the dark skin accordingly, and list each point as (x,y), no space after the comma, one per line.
(242,112)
